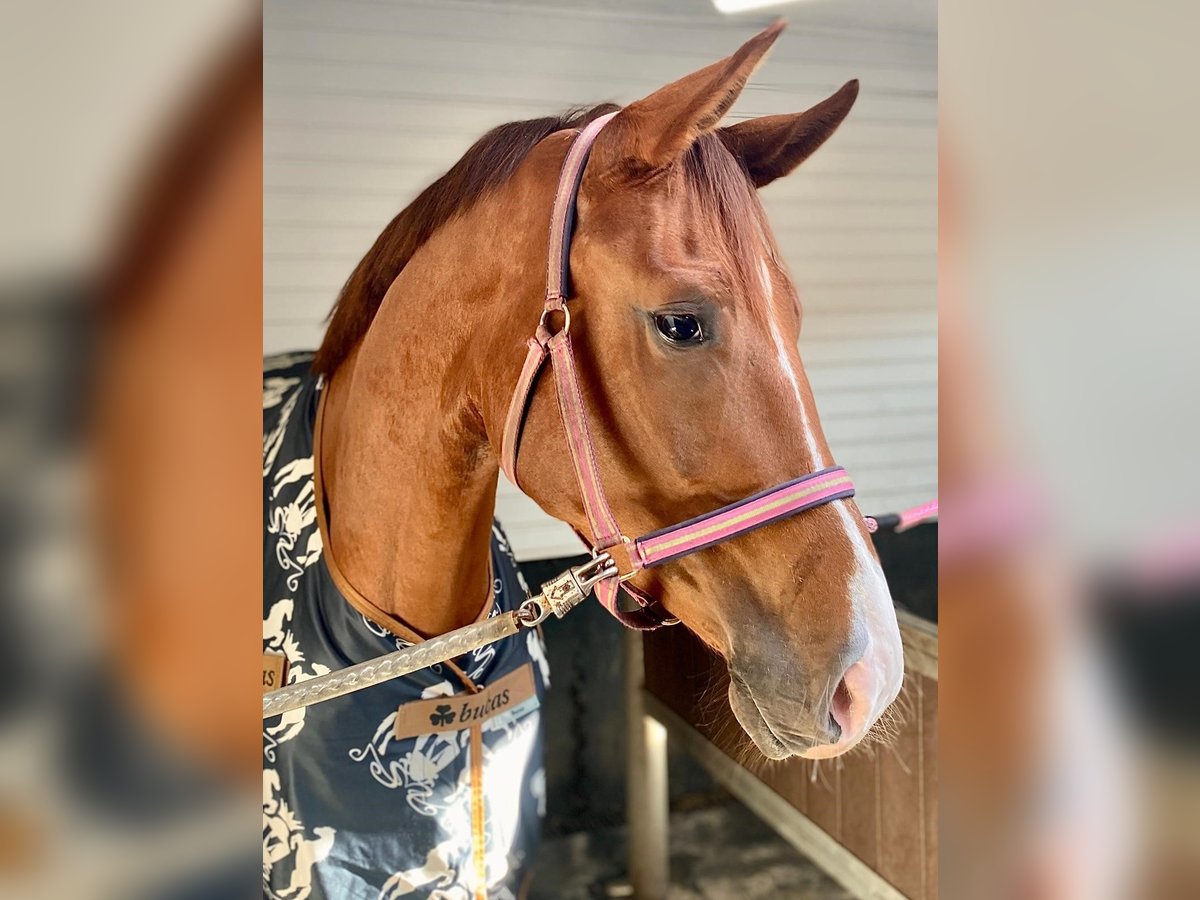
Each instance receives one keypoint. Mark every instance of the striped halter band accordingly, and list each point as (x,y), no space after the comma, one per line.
(663,545)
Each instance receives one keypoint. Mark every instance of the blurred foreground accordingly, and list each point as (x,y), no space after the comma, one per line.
(131,282)
(130,355)
(1070,552)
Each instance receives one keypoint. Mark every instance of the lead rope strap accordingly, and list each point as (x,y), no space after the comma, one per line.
(392,665)
(559,596)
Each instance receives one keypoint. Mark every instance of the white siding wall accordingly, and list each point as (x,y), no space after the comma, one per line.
(367,102)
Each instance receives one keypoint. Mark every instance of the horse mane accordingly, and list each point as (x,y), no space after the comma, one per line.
(489,163)
(721,179)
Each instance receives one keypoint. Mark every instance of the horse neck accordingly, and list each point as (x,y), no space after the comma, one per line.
(409,474)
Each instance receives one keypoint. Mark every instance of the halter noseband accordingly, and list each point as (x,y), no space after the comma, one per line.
(666,544)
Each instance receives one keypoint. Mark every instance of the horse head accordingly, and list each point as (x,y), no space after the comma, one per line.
(686,328)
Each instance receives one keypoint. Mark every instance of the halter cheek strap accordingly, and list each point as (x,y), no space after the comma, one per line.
(666,544)
(558,276)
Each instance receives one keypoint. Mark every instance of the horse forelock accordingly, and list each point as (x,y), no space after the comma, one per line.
(726,196)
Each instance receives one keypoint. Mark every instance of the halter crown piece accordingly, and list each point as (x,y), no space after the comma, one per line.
(607,541)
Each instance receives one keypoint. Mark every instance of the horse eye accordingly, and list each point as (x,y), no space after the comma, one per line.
(679,328)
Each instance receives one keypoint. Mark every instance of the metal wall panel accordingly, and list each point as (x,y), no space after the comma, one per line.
(366,102)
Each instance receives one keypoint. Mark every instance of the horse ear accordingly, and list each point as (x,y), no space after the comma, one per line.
(655,131)
(771,146)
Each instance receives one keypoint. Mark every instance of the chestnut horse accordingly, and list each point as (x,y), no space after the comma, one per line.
(686,340)
(687,346)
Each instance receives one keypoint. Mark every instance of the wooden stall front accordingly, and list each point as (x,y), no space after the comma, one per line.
(870,819)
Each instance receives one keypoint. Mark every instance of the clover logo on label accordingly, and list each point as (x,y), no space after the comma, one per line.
(514,693)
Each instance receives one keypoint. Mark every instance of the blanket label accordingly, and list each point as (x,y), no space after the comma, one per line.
(274,671)
(512,694)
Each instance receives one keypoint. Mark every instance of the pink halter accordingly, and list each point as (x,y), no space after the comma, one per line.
(666,544)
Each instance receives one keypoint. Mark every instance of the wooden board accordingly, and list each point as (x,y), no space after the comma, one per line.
(879,805)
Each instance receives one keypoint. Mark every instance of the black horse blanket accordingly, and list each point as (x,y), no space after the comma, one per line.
(361,799)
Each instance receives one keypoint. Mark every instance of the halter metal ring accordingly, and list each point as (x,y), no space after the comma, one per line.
(533,612)
(627,576)
(566,320)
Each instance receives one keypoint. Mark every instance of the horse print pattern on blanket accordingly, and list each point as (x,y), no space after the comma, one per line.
(351,809)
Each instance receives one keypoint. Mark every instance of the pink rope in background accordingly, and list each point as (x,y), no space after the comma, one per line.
(902,521)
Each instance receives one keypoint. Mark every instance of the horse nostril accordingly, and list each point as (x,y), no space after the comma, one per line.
(839,708)
(835,729)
